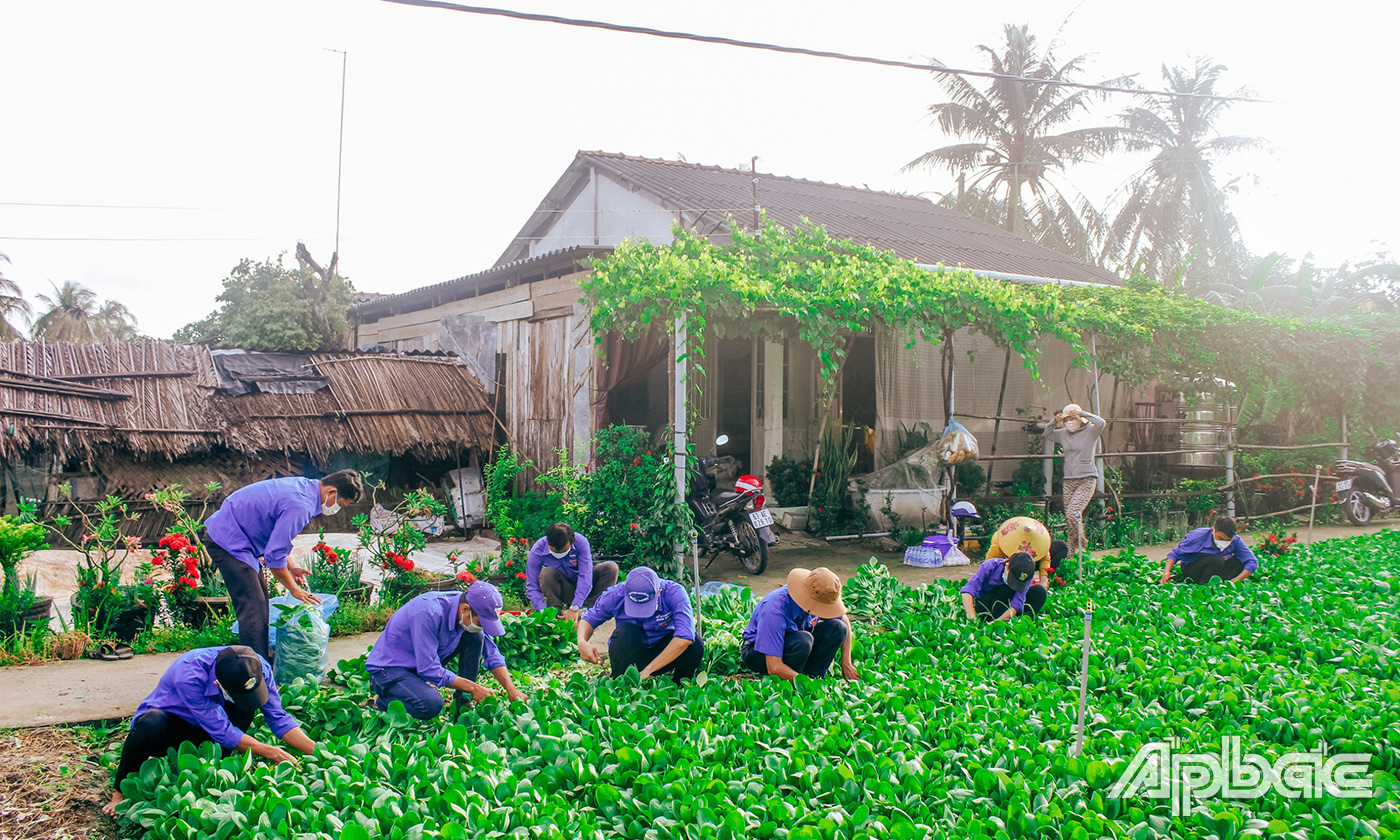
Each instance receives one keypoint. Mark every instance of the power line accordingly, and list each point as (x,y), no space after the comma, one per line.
(760,45)
(151,239)
(103,206)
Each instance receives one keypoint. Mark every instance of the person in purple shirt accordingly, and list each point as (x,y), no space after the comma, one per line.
(407,661)
(560,572)
(1001,589)
(209,694)
(798,627)
(1209,552)
(255,526)
(653,630)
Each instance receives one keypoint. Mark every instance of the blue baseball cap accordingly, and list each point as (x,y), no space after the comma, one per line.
(485,600)
(642,587)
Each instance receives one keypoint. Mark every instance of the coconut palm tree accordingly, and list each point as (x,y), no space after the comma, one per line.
(13,306)
(1174,224)
(74,313)
(1017,141)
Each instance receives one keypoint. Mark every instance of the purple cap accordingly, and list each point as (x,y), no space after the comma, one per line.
(642,587)
(485,601)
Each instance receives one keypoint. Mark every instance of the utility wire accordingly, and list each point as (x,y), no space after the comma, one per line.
(101,206)
(151,239)
(759,45)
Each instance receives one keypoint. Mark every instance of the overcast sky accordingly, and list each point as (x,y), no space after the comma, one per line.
(456,125)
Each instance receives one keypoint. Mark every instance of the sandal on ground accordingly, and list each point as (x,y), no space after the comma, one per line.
(107,652)
(124,652)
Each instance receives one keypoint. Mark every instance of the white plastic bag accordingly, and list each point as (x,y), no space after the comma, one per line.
(957,444)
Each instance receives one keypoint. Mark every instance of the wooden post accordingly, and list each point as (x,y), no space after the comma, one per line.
(1083,685)
(678,432)
(1098,409)
(996,427)
(1346,447)
(1312,508)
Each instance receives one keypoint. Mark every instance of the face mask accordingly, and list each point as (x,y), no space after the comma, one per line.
(1074,425)
(472,628)
(331,510)
(1223,544)
(558,555)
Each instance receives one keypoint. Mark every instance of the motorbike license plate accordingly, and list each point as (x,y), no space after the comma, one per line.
(1344,484)
(761,518)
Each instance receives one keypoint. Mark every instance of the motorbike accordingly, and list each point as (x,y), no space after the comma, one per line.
(732,521)
(1370,488)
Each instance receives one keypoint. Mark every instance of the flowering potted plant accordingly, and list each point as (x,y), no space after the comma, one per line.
(192,585)
(102,607)
(391,543)
(337,570)
(1275,544)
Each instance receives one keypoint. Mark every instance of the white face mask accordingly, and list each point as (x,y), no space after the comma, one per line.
(1223,544)
(1074,425)
(558,555)
(472,628)
(331,510)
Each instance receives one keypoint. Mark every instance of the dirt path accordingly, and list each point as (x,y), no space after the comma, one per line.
(52,785)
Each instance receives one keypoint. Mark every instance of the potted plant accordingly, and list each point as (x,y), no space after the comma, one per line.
(19,604)
(192,588)
(392,541)
(337,571)
(102,606)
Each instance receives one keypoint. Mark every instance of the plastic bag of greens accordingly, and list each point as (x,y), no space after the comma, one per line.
(303,652)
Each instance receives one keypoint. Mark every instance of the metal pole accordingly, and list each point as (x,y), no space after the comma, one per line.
(1098,409)
(1312,508)
(1083,684)
(340,156)
(1047,447)
(1229,460)
(1346,449)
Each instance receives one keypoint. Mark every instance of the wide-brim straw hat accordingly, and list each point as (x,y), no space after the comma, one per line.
(818,591)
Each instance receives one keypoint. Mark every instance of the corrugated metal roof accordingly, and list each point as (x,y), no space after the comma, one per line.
(564,260)
(911,226)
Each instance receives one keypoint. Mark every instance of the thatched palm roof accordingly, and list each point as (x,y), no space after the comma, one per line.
(158,400)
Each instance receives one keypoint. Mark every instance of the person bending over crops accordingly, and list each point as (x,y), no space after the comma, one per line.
(560,572)
(798,628)
(1022,533)
(407,661)
(1212,552)
(209,694)
(653,629)
(254,527)
(1077,432)
(1001,589)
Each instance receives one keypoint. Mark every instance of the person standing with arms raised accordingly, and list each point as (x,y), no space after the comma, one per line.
(1077,432)
(255,526)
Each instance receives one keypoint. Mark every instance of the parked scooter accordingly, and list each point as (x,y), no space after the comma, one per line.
(1370,489)
(732,521)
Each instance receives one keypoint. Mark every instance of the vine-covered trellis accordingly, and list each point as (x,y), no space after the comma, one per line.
(824,290)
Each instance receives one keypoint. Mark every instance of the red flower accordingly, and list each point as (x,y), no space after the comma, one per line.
(466,577)
(509,562)
(520,575)
(190,582)
(158,559)
(1060,581)
(174,542)
(407,565)
(1109,508)
(636,462)
(634,526)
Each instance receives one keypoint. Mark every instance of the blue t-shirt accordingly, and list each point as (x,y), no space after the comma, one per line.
(576,566)
(673,614)
(422,633)
(188,688)
(262,519)
(990,575)
(774,617)
(1201,543)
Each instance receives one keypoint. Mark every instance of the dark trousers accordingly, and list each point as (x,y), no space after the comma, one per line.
(806,653)
(248,595)
(558,591)
(994,604)
(156,731)
(627,646)
(1202,569)
(424,701)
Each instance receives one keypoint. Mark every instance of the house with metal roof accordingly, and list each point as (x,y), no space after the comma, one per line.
(520,325)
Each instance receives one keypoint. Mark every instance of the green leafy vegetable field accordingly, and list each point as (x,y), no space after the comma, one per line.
(955,730)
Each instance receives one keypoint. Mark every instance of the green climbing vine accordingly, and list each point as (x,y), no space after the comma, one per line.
(806,284)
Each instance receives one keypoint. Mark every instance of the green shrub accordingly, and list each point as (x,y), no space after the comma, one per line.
(788,481)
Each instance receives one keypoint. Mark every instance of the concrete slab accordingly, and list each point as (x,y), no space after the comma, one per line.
(83,690)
